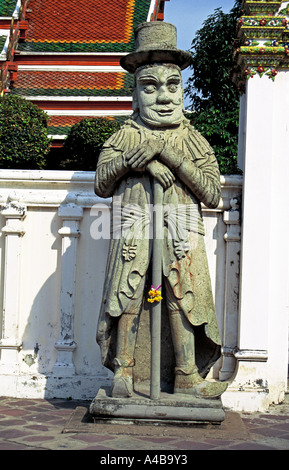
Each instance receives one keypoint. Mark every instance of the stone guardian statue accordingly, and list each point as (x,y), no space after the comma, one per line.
(159,143)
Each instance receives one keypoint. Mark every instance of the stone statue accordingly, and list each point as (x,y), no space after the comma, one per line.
(158,142)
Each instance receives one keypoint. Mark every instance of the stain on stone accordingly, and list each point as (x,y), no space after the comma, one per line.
(29,360)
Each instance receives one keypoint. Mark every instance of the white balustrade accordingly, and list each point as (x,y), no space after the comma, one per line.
(13,231)
(52,284)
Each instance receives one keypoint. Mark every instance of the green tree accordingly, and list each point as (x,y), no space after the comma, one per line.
(213,95)
(24,141)
(84,142)
(220,128)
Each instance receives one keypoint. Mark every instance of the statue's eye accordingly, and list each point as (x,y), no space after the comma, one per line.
(173,88)
(150,88)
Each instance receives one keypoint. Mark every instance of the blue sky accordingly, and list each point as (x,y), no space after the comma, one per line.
(188,16)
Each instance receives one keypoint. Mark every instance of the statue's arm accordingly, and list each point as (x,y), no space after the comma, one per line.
(201,175)
(110,169)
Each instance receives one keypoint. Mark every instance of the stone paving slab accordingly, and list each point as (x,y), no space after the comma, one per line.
(64,425)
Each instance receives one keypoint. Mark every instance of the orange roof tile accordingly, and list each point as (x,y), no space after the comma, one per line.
(85,22)
(71,83)
(73,80)
(80,20)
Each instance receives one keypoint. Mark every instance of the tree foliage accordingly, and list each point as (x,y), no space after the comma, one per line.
(213,95)
(84,142)
(24,141)
(220,128)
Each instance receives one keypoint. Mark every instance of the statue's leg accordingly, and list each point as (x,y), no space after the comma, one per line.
(187,378)
(122,385)
(184,347)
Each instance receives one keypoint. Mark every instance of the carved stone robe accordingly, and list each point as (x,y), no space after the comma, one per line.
(185,269)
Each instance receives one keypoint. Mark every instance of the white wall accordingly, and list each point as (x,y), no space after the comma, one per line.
(52,273)
(262,353)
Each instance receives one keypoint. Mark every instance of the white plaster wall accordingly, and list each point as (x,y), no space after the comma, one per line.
(262,352)
(89,284)
(33,372)
(1,265)
(279,259)
(39,298)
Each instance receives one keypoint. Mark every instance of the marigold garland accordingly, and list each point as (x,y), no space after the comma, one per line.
(155,295)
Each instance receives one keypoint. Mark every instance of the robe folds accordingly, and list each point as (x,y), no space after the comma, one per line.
(185,269)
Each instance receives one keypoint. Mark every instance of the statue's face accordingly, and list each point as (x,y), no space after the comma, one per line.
(159,95)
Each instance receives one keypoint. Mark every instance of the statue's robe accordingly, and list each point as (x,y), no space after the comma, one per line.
(185,268)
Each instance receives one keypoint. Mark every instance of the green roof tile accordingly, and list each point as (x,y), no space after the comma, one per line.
(7,7)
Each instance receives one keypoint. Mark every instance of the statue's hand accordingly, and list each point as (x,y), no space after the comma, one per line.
(161,172)
(139,157)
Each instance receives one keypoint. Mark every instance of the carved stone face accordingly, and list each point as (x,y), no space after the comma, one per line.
(159,95)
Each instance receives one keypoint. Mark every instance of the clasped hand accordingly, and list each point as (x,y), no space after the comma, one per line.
(138,158)
(141,158)
(161,172)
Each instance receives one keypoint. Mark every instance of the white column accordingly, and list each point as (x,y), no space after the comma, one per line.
(231,309)
(279,253)
(10,344)
(261,375)
(71,215)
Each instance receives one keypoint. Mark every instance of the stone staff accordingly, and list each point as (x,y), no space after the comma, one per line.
(157,280)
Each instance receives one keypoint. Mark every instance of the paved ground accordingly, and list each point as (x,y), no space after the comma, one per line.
(63,425)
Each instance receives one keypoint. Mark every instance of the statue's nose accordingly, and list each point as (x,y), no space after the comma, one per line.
(163,95)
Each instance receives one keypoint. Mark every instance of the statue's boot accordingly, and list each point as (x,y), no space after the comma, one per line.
(191,383)
(122,385)
(187,379)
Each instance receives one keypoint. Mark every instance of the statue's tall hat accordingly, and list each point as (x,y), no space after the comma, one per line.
(156,42)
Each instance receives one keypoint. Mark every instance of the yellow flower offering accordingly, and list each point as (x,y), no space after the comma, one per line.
(154,295)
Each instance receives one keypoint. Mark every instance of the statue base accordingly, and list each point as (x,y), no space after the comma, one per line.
(168,409)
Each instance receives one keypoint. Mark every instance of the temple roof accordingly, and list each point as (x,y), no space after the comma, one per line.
(77,83)
(83,25)
(64,55)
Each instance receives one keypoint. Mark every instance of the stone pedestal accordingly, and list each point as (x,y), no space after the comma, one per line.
(168,409)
